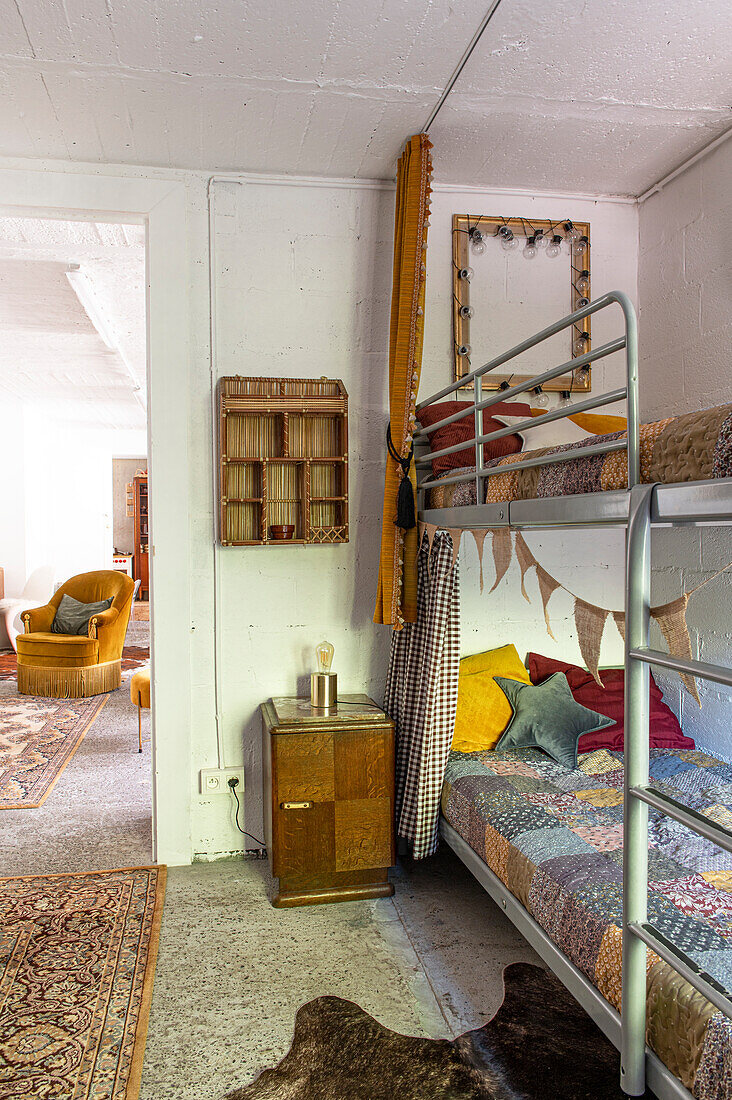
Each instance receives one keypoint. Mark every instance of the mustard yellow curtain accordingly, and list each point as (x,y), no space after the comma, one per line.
(396,600)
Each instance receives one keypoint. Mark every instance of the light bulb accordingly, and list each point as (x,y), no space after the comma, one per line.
(580,246)
(541,399)
(571,232)
(508,241)
(530,248)
(504,231)
(464,350)
(583,283)
(466,273)
(565,399)
(541,240)
(581,303)
(580,344)
(466,311)
(554,247)
(477,242)
(324,653)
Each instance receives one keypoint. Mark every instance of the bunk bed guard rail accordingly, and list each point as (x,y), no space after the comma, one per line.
(629,393)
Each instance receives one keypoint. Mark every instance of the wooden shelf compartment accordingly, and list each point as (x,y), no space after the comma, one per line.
(241,522)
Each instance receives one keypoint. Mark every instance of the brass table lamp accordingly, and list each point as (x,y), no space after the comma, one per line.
(324,683)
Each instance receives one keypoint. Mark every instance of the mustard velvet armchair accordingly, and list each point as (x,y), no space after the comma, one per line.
(73,666)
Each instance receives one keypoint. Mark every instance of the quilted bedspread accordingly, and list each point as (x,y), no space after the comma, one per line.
(554,837)
(693,447)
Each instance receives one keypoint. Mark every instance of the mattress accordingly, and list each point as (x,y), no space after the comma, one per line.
(554,838)
(693,447)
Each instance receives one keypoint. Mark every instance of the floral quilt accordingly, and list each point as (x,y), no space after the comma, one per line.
(555,839)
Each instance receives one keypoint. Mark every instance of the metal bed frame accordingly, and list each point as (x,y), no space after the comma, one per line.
(638,508)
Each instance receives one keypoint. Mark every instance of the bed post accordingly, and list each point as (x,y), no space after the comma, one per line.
(477,398)
(635,813)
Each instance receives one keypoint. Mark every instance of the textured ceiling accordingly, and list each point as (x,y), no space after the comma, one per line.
(51,354)
(591,95)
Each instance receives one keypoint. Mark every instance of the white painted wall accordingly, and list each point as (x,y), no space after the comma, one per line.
(685,280)
(12,514)
(590,563)
(303,280)
(56,507)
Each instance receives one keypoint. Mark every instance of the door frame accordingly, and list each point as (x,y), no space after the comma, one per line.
(161,206)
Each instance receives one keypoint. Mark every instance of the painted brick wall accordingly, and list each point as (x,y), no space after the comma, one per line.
(685,291)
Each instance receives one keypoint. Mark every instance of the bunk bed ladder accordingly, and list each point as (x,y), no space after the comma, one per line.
(638,933)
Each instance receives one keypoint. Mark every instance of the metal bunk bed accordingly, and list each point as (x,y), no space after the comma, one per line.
(637,508)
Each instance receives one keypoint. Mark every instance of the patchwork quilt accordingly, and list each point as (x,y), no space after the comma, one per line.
(693,447)
(555,839)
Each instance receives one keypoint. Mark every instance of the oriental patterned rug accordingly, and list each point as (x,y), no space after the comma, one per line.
(540,1045)
(133,657)
(77,962)
(38,737)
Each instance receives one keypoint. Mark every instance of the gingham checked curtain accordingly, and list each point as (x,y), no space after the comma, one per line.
(421,694)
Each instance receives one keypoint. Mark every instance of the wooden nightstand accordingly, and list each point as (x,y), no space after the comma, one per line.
(329,800)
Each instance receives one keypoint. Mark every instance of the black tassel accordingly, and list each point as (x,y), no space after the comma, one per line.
(405,505)
(405,515)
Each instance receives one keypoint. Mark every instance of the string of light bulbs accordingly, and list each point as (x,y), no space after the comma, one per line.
(548,238)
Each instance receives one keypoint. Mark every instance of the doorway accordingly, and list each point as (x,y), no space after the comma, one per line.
(166,207)
(73,371)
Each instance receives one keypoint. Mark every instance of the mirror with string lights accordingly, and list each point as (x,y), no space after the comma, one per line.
(513,277)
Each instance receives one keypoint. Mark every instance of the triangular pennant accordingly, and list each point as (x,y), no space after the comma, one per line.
(501,553)
(479,537)
(619,619)
(671,617)
(590,623)
(455,534)
(526,560)
(547,585)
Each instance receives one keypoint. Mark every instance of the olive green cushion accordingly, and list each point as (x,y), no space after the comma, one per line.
(547,717)
(72,616)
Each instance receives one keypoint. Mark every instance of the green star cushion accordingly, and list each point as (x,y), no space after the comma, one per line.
(547,717)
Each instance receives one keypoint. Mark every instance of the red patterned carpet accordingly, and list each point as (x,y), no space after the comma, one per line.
(77,963)
(38,737)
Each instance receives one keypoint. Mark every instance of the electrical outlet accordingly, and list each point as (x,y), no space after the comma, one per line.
(216,780)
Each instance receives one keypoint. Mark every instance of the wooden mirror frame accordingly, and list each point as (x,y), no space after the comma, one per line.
(579,382)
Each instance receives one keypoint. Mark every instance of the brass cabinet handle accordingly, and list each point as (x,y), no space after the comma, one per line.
(296,805)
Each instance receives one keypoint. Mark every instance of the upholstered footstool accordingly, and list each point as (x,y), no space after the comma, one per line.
(140,695)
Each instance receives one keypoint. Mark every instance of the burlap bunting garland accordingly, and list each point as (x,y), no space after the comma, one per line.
(671,618)
(589,619)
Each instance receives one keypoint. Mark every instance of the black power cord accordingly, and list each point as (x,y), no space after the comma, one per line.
(233,784)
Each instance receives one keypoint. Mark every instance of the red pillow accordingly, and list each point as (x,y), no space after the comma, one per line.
(666,732)
(463,431)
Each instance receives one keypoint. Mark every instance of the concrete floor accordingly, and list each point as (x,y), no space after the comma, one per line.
(232,971)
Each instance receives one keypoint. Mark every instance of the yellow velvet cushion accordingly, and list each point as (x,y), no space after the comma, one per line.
(483,711)
(140,688)
(46,649)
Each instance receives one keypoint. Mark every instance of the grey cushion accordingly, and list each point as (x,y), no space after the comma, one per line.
(547,717)
(72,617)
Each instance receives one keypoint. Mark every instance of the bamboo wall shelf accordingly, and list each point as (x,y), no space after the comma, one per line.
(283,459)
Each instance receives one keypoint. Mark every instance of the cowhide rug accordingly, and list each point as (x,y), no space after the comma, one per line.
(540,1045)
